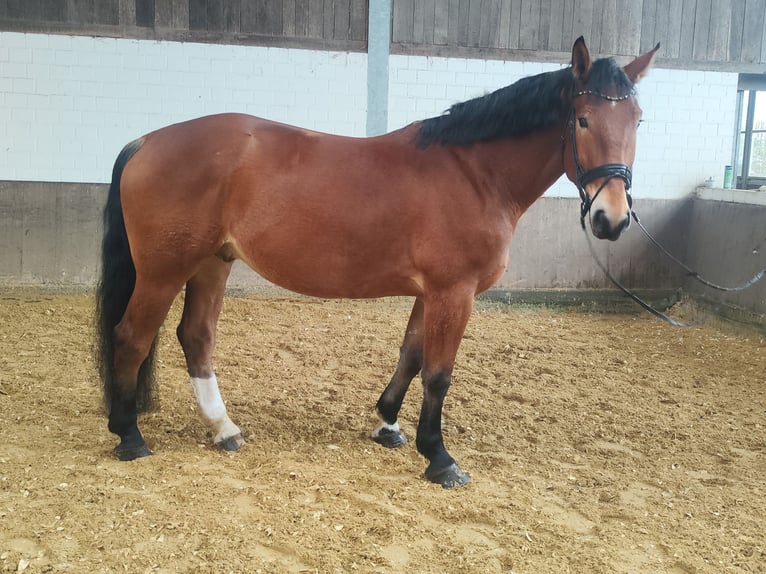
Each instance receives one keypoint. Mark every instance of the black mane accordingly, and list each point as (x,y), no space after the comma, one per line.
(531,104)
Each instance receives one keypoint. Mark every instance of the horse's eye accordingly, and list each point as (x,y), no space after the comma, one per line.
(583,122)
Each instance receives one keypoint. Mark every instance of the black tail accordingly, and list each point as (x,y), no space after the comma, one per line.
(118,278)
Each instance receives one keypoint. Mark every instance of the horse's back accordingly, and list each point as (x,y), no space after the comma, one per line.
(316,213)
(294,204)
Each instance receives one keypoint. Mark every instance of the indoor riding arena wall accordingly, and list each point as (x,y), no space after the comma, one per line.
(69,103)
(51,236)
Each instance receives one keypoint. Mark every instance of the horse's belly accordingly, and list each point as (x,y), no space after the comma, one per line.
(322,268)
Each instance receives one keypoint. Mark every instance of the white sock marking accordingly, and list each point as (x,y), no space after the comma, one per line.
(212,408)
(387,427)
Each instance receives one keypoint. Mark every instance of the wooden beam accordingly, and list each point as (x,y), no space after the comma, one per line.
(231,15)
(629,28)
(215,15)
(316,19)
(441,22)
(197,15)
(582,24)
(55,10)
(341,19)
(529,25)
(403,15)
(358,20)
(753,31)
(718,38)
(649,17)
(701,29)
(180,18)
(686,27)
(736,28)
(609,30)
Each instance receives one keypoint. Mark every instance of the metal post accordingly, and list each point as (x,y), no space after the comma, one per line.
(378,45)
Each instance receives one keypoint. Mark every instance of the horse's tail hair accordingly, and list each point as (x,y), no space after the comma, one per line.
(115,287)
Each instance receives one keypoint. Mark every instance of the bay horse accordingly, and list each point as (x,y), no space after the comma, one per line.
(426,211)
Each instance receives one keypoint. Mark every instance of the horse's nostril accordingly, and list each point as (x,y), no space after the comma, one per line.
(600,220)
(623,225)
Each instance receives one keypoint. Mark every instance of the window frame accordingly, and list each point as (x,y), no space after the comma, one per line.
(747,87)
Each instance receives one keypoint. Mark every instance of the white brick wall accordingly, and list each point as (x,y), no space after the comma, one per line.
(68,104)
(687,135)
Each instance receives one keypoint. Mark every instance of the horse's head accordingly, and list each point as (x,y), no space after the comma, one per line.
(600,139)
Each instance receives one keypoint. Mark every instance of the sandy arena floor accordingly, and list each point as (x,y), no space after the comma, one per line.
(596,443)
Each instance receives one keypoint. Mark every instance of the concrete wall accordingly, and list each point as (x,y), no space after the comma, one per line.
(549,248)
(51,234)
(729,247)
(68,104)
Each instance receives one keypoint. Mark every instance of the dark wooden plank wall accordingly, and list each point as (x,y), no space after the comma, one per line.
(335,24)
(706,33)
(709,34)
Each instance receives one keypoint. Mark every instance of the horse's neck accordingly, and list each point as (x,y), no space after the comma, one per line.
(519,170)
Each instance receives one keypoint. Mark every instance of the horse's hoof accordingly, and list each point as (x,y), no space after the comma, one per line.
(448,477)
(389,438)
(131,453)
(233,443)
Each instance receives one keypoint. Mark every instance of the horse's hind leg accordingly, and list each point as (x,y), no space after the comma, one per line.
(388,432)
(196,333)
(134,336)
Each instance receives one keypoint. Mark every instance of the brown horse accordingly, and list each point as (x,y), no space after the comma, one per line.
(426,211)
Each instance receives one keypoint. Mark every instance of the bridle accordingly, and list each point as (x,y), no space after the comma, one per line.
(608,170)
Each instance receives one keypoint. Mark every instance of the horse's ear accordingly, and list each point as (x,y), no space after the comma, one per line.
(638,68)
(580,60)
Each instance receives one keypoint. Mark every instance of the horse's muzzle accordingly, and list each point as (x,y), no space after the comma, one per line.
(604,228)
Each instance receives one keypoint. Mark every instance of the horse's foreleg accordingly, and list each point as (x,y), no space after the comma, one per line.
(196,333)
(388,432)
(446,316)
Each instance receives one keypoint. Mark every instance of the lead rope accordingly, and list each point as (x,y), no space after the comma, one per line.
(749,283)
(629,293)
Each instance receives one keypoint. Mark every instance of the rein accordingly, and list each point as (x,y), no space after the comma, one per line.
(609,171)
(749,283)
(628,292)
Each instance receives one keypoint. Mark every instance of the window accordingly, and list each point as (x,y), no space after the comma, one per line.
(750,142)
